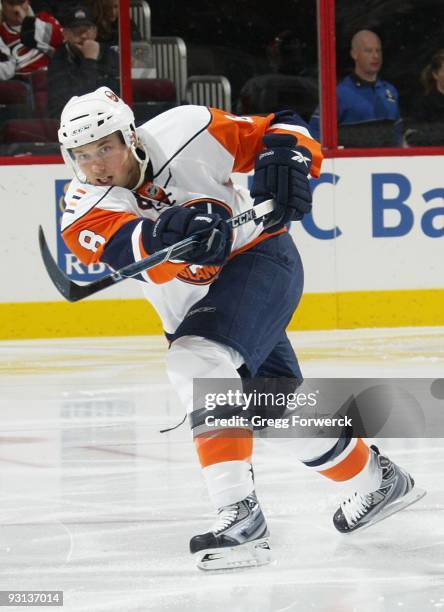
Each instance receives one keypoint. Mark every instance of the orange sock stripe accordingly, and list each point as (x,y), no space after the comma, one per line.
(354,463)
(217,447)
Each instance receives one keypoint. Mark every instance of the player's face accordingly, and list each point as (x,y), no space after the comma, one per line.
(107,162)
(368,56)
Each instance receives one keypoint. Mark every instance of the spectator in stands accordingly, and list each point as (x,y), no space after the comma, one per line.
(8,64)
(55,7)
(286,86)
(426,120)
(285,54)
(362,96)
(81,64)
(430,107)
(31,38)
(106,16)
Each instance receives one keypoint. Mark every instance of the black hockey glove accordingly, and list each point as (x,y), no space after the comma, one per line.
(281,172)
(176,223)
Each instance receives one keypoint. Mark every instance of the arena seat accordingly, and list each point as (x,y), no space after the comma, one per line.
(372,134)
(152,97)
(209,90)
(170,61)
(425,134)
(15,100)
(26,149)
(30,130)
(154,90)
(267,93)
(144,111)
(14,92)
(39,84)
(141,15)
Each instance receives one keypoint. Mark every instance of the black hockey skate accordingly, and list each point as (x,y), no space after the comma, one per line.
(397,491)
(239,538)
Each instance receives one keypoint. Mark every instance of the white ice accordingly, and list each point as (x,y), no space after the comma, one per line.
(97,503)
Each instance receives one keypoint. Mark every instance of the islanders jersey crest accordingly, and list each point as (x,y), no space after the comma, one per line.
(150,195)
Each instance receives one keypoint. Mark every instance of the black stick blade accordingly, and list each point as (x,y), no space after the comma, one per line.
(72,291)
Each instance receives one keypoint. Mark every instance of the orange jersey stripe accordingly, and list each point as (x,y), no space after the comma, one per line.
(240,136)
(88,236)
(165,272)
(216,447)
(349,467)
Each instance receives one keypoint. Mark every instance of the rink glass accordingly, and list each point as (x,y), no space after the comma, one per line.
(232,46)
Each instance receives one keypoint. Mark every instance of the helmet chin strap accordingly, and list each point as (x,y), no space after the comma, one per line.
(143,163)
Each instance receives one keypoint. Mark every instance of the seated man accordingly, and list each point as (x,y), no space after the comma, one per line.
(286,86)
(362,96)
(31,38)
(81,64)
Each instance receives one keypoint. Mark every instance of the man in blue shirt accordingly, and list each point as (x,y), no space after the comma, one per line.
(361,96)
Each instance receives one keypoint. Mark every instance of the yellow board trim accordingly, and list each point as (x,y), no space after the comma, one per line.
(344,310)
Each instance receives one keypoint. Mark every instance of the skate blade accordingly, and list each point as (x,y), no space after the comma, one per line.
(411,498)
(250,554)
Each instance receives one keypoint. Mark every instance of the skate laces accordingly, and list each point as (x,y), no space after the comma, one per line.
(355,507)
(225,518)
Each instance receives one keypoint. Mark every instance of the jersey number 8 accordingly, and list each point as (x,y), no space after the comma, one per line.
(91,241)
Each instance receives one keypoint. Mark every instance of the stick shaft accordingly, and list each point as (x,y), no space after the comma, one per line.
(74,292)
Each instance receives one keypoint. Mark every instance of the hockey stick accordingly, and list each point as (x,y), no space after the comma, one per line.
(74,292)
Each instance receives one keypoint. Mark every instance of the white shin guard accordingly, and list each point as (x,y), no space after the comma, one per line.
(228,482)
(193,357)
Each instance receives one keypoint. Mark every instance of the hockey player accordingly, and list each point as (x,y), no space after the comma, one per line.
(226,308)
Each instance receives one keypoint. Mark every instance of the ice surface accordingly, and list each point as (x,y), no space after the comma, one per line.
(97,503)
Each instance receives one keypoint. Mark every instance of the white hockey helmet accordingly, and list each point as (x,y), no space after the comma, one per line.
(92,116)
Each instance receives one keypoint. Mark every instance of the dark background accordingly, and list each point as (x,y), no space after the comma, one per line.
(231,38)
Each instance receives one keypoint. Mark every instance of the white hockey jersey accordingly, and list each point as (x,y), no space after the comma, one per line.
(193,151)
